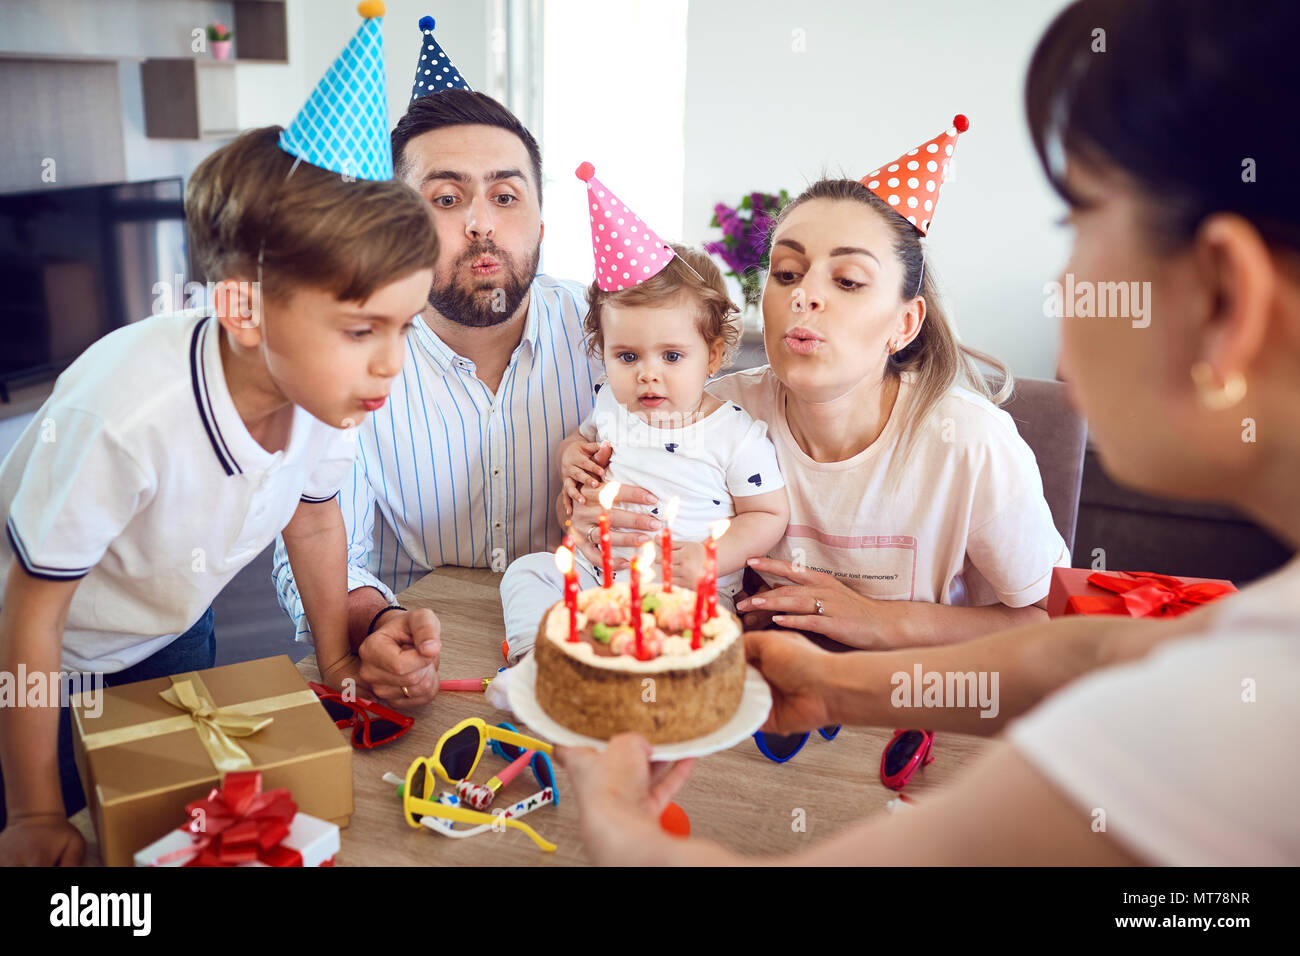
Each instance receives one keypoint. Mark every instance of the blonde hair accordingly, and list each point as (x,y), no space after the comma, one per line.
(936,358)
(690,272)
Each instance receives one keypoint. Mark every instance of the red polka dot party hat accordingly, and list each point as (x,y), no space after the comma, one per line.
(911,183)
(627,251)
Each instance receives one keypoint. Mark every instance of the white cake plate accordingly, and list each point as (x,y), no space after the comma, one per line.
(755,703)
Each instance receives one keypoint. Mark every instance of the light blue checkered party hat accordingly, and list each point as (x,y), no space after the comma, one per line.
(434,71)
(343,127)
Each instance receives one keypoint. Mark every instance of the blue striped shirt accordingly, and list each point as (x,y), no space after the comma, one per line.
(456,474)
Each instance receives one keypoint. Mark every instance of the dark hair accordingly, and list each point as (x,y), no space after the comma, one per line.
(716,319)
(460,108)
(1179,95)
(313,227)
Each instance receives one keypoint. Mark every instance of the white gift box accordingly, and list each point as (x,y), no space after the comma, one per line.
(315,839)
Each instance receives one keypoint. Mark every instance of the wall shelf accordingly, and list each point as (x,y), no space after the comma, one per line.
(189,98)
(50,109)
(261,33)
(195,97)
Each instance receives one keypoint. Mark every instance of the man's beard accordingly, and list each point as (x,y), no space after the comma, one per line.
(488,302)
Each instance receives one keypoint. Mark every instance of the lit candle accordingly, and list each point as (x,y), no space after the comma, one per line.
(666,545)
(564,561)
(606,496)
(642,562)
(716,530)
(698,620)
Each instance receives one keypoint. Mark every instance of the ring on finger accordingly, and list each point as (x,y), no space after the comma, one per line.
(820,608)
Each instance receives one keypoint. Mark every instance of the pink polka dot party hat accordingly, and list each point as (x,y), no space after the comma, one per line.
(627,251)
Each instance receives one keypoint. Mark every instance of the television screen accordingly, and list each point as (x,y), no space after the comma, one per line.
(75,264)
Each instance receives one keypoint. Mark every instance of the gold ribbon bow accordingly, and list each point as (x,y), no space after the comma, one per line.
(216,725)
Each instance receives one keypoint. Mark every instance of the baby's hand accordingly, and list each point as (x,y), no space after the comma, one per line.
(688,562)
(579,469)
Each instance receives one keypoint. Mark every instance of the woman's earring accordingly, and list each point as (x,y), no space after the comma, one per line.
(1214,397)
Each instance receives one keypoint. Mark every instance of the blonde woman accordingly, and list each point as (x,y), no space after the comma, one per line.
(916,510)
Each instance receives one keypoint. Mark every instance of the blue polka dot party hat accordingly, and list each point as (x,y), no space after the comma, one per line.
(434,71)
(343,127)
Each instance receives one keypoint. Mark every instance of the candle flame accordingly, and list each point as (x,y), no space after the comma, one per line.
(718,528)
(608,494)
(563,559)
(645,562)
(670,512)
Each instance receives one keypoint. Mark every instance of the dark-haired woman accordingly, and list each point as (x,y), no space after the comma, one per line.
(1171,742)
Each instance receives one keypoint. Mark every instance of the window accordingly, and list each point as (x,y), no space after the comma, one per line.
(613,94)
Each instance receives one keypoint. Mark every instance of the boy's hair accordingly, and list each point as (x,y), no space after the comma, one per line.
(717,318)
(461,108)
(313,228)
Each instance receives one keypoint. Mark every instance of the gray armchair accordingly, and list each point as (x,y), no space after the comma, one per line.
(1058,436)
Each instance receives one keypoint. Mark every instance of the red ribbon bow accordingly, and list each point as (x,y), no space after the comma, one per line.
(238,823)
(1143,594)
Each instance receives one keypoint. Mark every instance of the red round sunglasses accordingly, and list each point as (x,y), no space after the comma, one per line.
(372,723)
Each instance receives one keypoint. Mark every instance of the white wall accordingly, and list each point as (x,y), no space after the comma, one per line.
(617,105)
(318,31)
(877,79)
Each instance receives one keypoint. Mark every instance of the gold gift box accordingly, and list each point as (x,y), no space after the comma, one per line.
(142,759)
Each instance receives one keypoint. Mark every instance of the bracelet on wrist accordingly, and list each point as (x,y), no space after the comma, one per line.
(341,662)
(375,620)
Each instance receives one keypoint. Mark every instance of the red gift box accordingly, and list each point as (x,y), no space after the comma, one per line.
(240,825)
(1132,594)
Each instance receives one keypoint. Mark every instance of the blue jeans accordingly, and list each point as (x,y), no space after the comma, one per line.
(194,650)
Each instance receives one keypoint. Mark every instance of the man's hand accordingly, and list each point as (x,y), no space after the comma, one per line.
(46,839)
(403,653)
(795,670)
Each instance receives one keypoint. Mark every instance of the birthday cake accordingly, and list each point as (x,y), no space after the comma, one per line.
(671,688)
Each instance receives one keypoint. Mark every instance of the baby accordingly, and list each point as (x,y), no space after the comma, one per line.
(661,340)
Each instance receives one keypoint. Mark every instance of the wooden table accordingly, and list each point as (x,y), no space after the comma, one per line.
(738,798)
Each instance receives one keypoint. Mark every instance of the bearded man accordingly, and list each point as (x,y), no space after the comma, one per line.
(456,467)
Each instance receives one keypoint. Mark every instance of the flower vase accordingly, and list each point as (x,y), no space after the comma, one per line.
(752,319)
(221,49)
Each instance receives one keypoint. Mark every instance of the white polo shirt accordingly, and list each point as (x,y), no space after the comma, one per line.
(138,476)
(1189,751)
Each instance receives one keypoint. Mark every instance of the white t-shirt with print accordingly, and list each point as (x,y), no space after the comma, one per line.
(722,456)
(1191,750)
(965,524)
(138,477)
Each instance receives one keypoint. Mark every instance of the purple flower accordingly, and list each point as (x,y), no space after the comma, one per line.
(745,236)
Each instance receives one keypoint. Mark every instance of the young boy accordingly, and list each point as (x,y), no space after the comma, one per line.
(175,449)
